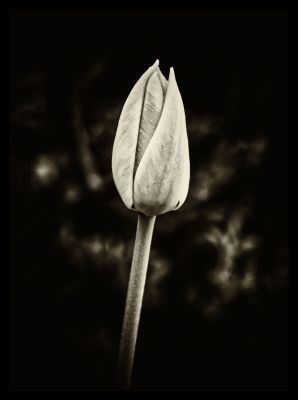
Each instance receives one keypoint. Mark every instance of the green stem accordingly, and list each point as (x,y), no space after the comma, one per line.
(134,299)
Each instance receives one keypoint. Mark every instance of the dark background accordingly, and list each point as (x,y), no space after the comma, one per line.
(215,312)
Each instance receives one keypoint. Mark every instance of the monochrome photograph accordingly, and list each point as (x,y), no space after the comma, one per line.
(149,200)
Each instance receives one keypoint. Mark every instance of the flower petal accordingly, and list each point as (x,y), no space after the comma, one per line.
(124,149)
(151,112)
(162,178)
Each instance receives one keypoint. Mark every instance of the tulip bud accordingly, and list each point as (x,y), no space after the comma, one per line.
(150,160)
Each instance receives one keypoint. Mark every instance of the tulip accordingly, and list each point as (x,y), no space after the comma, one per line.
(150,160)
(150,165)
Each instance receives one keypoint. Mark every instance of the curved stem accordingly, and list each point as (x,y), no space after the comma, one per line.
(134,299)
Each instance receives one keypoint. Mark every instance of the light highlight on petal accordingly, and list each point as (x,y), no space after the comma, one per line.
(162,178)
(151,112)
(124,149)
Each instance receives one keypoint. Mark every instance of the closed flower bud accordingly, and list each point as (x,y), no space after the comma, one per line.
(150,160)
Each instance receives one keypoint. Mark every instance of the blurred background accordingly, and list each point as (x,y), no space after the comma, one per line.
(215,311)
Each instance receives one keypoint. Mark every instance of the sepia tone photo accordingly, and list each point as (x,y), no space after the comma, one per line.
(149,200)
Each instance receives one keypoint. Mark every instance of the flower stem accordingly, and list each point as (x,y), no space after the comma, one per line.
(134,299)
